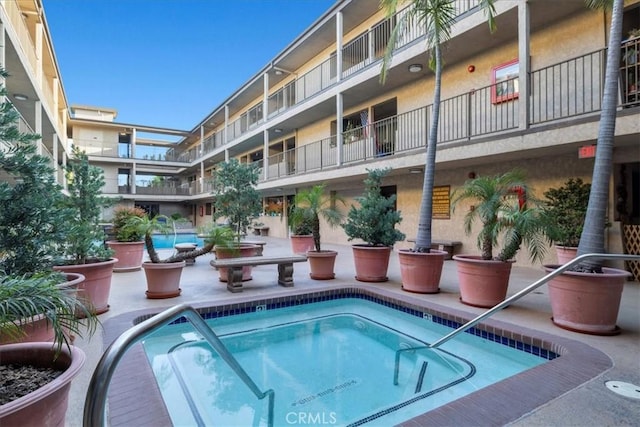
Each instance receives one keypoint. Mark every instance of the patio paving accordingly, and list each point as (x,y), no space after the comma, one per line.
(591,404)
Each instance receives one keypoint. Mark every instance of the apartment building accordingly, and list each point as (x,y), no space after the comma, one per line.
(525,96)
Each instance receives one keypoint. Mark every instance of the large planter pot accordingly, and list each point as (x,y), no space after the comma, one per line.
(129,255)
(46,406)
(95,288)
(587,302)
(565,254)
(301,243)
(371,262)
(243,250)
(321,264)
(483,283)
(421,271)
(38,329)
(163,279)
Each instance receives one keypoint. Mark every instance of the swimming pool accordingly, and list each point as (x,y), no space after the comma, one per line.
(132,395)
(161,241)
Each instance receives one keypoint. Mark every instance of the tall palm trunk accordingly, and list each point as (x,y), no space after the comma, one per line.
(423,239)
(592,238)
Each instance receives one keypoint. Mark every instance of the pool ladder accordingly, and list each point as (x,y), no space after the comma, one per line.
(95,403)
(535,285)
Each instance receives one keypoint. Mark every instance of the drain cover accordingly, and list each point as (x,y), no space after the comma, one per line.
(624,389)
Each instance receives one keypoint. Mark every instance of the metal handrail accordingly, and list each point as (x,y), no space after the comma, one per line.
(508,301)
(95,403)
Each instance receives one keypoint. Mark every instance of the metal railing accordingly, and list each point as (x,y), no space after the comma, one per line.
(95,403)
(535,285)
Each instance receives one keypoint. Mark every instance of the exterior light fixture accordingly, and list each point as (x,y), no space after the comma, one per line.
(278,72)
(277,130)
(20,97)
(415,170)
(415,68)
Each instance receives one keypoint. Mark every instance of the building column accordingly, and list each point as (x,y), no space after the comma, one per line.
(339,141)
(133,173)
(38,124)
(56,168)
(524,34)
(265,148)
(338,47)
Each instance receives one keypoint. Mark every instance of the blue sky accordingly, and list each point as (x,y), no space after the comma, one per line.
(169,63)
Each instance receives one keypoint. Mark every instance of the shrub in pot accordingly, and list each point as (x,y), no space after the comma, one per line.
(301,234)
(83,251)
(128,245)
(310,205)
(499,205)
(565,208)
(238,202)
(373,222)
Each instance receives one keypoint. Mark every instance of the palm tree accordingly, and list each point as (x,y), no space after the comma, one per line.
(437,16)
(310,205)
(592,237)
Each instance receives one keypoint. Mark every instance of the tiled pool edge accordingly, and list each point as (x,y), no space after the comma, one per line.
(493,405)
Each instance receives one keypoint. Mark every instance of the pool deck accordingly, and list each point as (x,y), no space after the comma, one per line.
(588,404)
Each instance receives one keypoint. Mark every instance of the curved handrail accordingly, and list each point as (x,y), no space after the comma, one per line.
(95,403)
(509,300)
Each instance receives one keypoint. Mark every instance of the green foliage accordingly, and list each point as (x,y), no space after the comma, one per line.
(32,222)
(375,220)
(565,210)
(309,206)
(235,196)
(147,227)
(23,298)
(500,214)
(84,243)
(122,230)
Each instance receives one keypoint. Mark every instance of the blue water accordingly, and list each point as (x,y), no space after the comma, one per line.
(160,241)
(328,363)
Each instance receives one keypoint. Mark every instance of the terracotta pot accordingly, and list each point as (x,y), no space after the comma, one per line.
(95,288)
(242,251)
(46,406)
(565,254)
(163,279)
(129,255)
(302,243)
(321,264)
(420,271)
(371,262)
(587,302)
(38,328)
(483,283)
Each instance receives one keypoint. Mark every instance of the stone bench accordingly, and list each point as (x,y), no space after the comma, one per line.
(186,247)
(259,243)
(234,268)
(449,246)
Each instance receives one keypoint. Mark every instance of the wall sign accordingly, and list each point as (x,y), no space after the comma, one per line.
(441,202)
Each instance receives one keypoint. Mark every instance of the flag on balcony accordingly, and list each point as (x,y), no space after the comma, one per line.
(364,119)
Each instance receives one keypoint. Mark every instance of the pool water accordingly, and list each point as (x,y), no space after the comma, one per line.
(330,362)
(161,241)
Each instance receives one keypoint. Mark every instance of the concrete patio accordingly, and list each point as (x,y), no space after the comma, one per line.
(591,404)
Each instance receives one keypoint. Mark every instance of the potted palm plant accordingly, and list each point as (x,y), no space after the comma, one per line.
(237,201)
(42,399)
(564,209)
(374,222)
(163,275)
(587,299)
(128,245)
(421,272)
(83,251)
(499,204)
(310,205)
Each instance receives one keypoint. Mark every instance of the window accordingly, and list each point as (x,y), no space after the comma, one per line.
(505,82)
